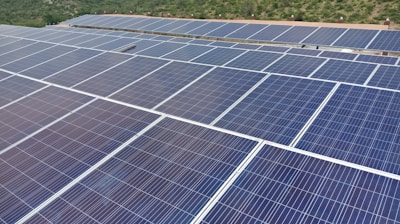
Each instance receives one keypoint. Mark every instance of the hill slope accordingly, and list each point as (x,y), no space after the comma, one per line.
(40,12)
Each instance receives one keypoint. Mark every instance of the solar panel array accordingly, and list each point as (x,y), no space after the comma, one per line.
(185,130)
(383,40)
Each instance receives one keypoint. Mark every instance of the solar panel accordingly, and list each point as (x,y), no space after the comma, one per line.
(66,37)
(386,77)
(324,36)
(269,33)
(304,51)
(87,69)
(57,64)
(295,34)
(7,40)
(144,181)
(218,56)
(225,30)
(206,28)
(188,52)
(181,39)
(206,99)
(153,89)
(157,24)
(187,27)
(172,26)
(338,55)
(15,45)
(15,87)
(57,155)
(163,38)
(4,75)
(161,49)
(377,59)
(35,111)
(247,46)
(254,60)
(141,45)
(200,41)
(222,44)
(280,186)
(345,71)
(97,41)
(358,125)
(386,40)
(37,58)
(295,65)
(246,31)
(273,48)
(277,109)
(355,38)
(80,39)
(116,44)
(122,75)
(23,52)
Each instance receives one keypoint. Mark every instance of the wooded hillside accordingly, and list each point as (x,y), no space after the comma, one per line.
(41,12)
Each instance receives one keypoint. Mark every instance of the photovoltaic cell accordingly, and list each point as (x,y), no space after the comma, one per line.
(219,56)
(187,27)
(296,65)
(200,41)
(54,157)
(161,49)
(188,52)
(273,48)
(345,71)
(301,51)
(153,89)
(162,38)
(58,64)
(98,41)
(206,99)
(377,59)
(15,45)
(277,109)
(296,34)
(26,116)
(254,60)
(386,40)
(87,69)
(338,55)
(120,76)
(386,77)
(166,175)
(280,186)
(358,125)
(167,28)
(7,40)
(157,24)
(225,30)
(324,36)
(16,87)
(222,44)
(80,39)
(4,75)
(37,58)
(181,39)
(116,44)
(209,27)
(269,33)
(23,52)
(354,38)
(246,31)
(141,45)
(247,46)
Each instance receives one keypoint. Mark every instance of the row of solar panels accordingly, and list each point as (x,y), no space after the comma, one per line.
(110,137)
(225,97)
(383,40)
(343,70)
(88,160)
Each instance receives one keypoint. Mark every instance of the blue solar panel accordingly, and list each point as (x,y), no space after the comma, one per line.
(15,45)
(162,38)
(96,42)
(16,87)
(246,31)
(166,176)
(116,44)
(141,23)
(200,41)
(219,56)
(386,77)
(157,24)
(295,65)
(153,89)
(386,40)
(37,58)
(225,30)
(206,99)
(280,186)
(296,34)
(141,45)
(274,48)
(254,60)
(206,28)
(304,51)
(87,69)
(146,36)
(67,37)
(172,26)
(277,109)
(338,55)
(181,39)
(345,71)
(161,49)
(80,39)
(187,27)
(359,125)
(355,38)
(247,46)
(377,59)
(26,116)
(7,40)
(188,52)
(222,44)
(57,155)
(58,64)
(324,36)
(120,76)
(22,52)
(269,33)
(4,75)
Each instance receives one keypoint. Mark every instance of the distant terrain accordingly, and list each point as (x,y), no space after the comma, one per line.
(42,12)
